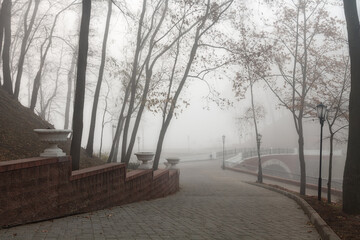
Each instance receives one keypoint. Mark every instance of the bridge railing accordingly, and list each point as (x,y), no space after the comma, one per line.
(335,183)
(252,152)
(270,151)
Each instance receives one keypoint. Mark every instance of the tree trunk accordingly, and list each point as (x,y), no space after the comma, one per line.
(351,181)
(80,85)
(115,144)
(302,159)
(102,130)
(36,86)
(1,36)
(1,29)
(160,143)
(69,90)
(117,141)
(260,178)
(90,143)
(138,118)
(6,8)
(330,167)
(23,49)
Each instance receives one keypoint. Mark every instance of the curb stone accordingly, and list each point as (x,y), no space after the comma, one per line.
(321,226)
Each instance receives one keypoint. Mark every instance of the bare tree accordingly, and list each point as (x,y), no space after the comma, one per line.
(148,65)
(133,78)
(252,55)
(119,127)
(24,43)
(45,99)
(211,15)
(90,144)
(44,49)
(303,42)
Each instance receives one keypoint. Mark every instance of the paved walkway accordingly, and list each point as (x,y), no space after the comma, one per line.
(212,204)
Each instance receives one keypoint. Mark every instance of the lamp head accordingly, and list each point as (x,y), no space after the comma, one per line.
(321,111)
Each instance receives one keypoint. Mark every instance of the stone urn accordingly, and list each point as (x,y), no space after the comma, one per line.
(146,158)
(53,137)
(172,161)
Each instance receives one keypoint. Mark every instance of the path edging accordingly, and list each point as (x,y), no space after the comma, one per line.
(326,233)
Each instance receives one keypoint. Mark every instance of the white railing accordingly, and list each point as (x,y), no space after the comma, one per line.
(247,153)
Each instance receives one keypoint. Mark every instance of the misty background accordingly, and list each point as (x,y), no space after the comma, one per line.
(209,107)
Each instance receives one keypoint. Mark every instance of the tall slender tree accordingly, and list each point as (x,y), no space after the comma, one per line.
(133,78)
(252,54)
(80,85)
(6,22)
(90,143)
(351,181)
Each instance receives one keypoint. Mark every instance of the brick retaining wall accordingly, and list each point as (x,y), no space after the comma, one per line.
(37,189)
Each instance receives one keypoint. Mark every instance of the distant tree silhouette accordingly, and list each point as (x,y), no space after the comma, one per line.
(44,50)
(24,42)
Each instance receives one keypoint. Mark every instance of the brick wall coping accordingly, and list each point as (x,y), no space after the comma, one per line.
(173,171)
(29,162)
(91,171)
(158,173)
(82,173)
(136,173)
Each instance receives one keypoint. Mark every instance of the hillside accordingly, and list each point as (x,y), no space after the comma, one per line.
(17,138)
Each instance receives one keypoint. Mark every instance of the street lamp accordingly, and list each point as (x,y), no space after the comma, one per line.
(322,114)
(223,140)
(258,140)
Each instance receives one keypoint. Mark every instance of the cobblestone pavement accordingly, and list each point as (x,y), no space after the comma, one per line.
(212,204)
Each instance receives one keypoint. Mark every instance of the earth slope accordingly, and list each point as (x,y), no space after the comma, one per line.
(17,138)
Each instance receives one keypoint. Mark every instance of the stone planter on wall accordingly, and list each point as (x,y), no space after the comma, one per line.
(172,161)
(53,137)
(146,158)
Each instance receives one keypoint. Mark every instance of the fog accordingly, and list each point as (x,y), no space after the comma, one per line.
(197,127)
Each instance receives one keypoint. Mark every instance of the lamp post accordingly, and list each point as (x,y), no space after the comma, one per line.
(223,140)
(138,138)
(113,130)
(321,113)
(258,140)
